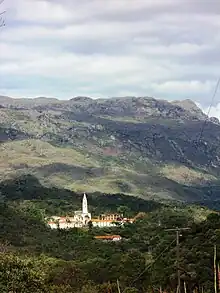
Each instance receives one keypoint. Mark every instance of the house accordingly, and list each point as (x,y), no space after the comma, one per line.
(79,219)
(82,218)
(108,237)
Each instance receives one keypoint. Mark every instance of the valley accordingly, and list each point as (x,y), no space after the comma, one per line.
(109,146)
(153,161)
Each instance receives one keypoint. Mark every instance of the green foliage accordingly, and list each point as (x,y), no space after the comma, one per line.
(132,264)
(67,274)
(73,261)
(130,290)
(141,155)
(124,210)
(19,275)
(39,200)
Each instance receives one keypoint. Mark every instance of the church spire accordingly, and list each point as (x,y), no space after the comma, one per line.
(84,205)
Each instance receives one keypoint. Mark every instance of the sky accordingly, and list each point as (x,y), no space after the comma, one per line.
(167,49)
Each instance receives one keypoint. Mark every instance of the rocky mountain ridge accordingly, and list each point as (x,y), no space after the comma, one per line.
(136,107)
(140,146)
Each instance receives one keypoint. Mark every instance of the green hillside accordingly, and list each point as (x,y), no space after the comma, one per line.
(34,258)
(79,171)
(136,146)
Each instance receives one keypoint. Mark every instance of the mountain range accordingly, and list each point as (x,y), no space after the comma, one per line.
(139,146)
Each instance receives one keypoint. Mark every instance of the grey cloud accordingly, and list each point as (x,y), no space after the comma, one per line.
(136,10)
(135,29)
(103,47)
(208,57)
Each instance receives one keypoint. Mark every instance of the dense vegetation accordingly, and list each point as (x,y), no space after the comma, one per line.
(35,258)
(121,152)
(28,193)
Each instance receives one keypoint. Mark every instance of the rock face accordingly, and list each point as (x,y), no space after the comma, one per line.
(153,128)
(214,120)
(190,106)
(131,107)
(130,131)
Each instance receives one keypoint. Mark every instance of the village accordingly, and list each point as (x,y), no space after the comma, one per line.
(83,218)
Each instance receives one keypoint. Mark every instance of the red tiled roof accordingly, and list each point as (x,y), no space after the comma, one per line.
(102,221)
(107,236)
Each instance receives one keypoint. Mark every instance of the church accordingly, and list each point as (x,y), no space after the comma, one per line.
(79,218)
(82,218)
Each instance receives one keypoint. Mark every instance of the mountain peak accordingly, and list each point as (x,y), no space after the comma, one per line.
(186,104)
(44,99)
(80,99)
(190,106)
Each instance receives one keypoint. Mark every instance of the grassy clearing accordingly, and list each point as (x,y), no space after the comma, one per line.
(38,153)
(70,168)
(28,156)
(185,175)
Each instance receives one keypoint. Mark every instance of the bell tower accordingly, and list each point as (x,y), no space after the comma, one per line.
(84,204)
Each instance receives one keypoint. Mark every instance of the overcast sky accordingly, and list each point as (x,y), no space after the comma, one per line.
(101,48)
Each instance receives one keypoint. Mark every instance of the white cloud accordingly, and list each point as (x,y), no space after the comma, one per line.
(193,87)
(211,111)
(38,11)
(163,48)
(214,111)
(175,50)
(70,11)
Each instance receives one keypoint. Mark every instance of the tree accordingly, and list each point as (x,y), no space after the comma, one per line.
(132,264)
(88,289)
(4,246)
(124,210)
(2,21)
(19,275)
(67,274)
(130,290)
(90,225)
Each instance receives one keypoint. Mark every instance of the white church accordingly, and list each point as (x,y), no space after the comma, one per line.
(79,219)
(82,218)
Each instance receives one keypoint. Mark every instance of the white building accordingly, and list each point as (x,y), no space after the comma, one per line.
(79,219)
(110,223)
(103,223)
(82,218)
